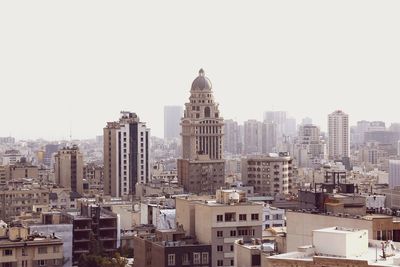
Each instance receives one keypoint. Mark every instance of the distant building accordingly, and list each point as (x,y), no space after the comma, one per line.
(68,168)
(394,173)
(202,167)
(172,119)
(232,144)
(14,201)
(269,175)
(126,155)
(253,137)
(49,151)
(338,131)
(11,157)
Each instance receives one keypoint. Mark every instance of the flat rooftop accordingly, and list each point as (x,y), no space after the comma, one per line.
(369,256)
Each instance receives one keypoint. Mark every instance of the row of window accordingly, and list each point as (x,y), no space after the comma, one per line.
(231,217)
(239,232)
(198,258)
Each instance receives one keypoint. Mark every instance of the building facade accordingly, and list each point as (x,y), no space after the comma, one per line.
(269,175)
(69,168)
(338,131)
(201,168)
(126,155)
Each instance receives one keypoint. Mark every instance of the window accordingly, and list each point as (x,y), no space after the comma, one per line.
(196,258)
(24,252)
(233,232)
(7,252)
(220,248)
(171,259)
(220,234)
(230,217)
(41,262)
(242,217)
(220,263)
(231,247)
(56,249)
(42,250)
(232,262)
(220,218)
(254,217)
(185,259)
(24,263)
(204,258)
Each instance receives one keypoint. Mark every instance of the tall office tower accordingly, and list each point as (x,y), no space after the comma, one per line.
(359,131)
(394,173)
(253,137)
(68,168)
(232,143)
(202,167)
(126,155)
(269,137)
(290,127)
(279,118)
(172,119)
(338,131)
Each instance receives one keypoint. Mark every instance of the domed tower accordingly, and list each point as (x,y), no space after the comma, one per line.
(202,167)
(202,126)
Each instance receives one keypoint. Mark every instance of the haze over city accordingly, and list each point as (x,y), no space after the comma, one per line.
(68,67)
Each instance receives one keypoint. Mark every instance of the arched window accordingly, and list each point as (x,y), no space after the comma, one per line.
(207,112)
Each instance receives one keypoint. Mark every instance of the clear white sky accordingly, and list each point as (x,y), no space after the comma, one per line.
(80,62)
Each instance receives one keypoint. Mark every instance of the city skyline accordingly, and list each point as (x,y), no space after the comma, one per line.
(75,76)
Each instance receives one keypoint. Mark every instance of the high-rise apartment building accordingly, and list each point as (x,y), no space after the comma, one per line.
(126,155)
(69,168)
(338,131)
(172,119)
(232,143)
(253,137)
(394,173)
(202,167)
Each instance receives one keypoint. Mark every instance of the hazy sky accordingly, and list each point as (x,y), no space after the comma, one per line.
(76,64)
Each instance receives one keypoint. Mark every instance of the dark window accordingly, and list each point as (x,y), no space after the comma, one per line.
(220,218)
(242,217)
(254,217)
(255,260)
(220,234)
(219,248)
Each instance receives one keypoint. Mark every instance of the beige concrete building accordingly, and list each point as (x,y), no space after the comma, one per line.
(19,248)
(339,135)
(14,201)
(268,175)
(69,169)
(126,155)
(22,170)
(93,174)
(201,168)
(337,246)
(221,221)
(301,224)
